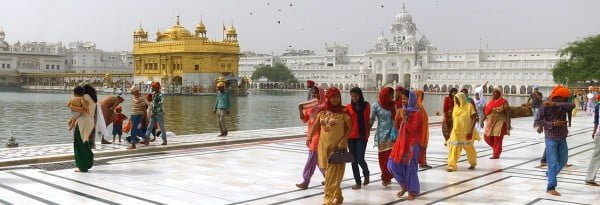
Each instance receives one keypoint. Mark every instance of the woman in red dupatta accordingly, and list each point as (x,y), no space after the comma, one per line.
(404,159)
(425,130)
(497,122)
(308,112)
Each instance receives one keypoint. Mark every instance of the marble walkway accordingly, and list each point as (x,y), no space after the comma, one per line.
(264,172)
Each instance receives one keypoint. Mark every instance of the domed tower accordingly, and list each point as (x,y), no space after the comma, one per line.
(3,44)
(201,30)
(403,27)
(140,35)
(2,34)
(382,43)
(231,34)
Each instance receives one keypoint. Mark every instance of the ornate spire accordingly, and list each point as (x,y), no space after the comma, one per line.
(177,19)
(403,7)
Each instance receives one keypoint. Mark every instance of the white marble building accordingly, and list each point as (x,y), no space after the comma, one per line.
(415,62)
(33,57)
(84,57)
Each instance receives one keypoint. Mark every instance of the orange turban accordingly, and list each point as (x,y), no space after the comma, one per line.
(155,85)
(560,91)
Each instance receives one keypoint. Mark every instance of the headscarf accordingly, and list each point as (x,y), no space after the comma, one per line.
(402,150)
(560,91)
(461,106)
(220,84)
(494,103)
(320,102)
(400,90)
(412,106)
(310,83)
(425,120)
(462,117)
(385,102)
(359,108)
(333,91)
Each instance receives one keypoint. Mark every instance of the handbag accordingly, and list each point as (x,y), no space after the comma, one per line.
(340,156)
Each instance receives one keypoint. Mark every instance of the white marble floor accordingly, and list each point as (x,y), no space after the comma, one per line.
(265,173)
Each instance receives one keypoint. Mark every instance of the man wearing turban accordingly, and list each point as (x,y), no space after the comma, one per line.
(552,120)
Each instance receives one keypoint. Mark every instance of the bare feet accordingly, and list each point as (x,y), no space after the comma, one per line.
(401,193)
(302,186)
(386,183)
(471,167)
(425,166)
(323,183)
(356,187)
(591,183)
(338,201)
(569,165)
(105,142)
(494,157)
(541,165)
(449,170)
(410,197)
(553,192)
(131,147)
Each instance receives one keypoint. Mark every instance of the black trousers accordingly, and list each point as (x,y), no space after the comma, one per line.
(358,148)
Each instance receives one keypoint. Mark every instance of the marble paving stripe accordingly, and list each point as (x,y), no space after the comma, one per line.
(27,194)
(5,202)
(543,175)
(563,172)
(64,188)
(487,174)
(196,153)
(468,190)
(298,190)
(566,181)
(493,182)
(102,188)
(372,159)
(553,200)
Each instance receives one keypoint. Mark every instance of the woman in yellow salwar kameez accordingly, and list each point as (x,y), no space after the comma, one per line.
(335,125)
(463,134)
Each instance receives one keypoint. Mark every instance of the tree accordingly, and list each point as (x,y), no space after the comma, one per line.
(276,73)
(582,64)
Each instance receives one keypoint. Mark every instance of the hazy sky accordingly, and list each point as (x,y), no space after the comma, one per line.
(307,24)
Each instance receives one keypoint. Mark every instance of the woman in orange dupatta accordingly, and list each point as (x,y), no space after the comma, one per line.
(497,124)
(308,112)
(404,159)
(425,130)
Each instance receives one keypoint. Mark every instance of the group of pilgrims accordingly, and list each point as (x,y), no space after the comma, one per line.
(402,134)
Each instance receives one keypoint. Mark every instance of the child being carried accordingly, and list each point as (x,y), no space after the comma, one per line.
(78,106)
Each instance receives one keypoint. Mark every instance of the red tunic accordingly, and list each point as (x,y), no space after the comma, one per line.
(353,115)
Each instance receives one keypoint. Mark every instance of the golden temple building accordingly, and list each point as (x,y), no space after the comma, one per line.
(180,58)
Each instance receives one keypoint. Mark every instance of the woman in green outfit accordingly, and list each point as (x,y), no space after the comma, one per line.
(84,132)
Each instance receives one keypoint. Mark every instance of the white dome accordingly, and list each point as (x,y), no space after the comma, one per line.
(410,37)
(403,16)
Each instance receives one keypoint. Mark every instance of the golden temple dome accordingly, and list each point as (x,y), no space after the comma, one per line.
(231,31)
(177,31)
(201,27)
(140,31)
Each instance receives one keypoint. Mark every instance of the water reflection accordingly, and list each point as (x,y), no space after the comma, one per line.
(41,118)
